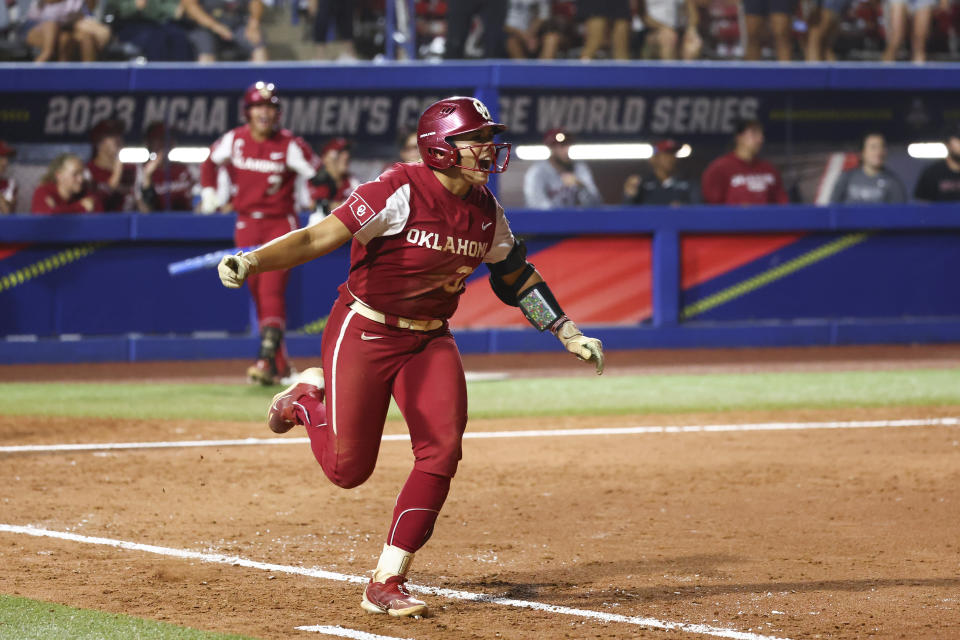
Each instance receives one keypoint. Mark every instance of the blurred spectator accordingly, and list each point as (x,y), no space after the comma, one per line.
(823,29)
(662,186)
(605,20)
(871,182)
(898,14)
(220,25)
(62,188)
(940,181)
(152,27)
(664,21)
(558,181)
(338,15)
(460,13)
(333,182)
(407,144)
(530,31)
(779,15)
(65,30)
(163,185)
(740,177)
(112,180)
(8,185)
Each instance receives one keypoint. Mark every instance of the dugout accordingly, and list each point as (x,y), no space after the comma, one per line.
(71,289)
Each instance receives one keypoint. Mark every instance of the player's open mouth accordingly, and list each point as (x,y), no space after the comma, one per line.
(484,164)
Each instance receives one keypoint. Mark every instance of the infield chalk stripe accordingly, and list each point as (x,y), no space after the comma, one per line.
(347,633)
(452,594)
(534,433)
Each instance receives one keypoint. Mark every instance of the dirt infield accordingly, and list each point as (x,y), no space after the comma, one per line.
(802,533)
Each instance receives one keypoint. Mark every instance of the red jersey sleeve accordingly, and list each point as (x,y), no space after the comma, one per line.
(219,153)
(39,204)
(386,197)
(778,194)
(714,182)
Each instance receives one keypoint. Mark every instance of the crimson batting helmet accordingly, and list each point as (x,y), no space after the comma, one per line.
(451,117)
(261,93)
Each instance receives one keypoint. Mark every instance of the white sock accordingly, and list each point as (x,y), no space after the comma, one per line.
(394,561)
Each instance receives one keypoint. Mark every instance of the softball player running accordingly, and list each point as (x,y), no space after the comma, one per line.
(263,162)
(417,232)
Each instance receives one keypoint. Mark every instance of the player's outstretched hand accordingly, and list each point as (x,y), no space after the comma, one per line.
(587,349)
(234,270)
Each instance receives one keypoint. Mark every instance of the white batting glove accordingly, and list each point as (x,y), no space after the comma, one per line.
(234,270)
(587,349)
(209,201)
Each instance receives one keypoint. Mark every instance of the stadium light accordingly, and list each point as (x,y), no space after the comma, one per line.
(684,151)
(189,155)
(927,150)
(134,155)
(621,151)
(532,152)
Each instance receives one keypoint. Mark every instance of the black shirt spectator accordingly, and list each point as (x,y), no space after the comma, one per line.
(940,181)
(663,186)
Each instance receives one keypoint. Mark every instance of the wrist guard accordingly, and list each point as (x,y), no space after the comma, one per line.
(540,308)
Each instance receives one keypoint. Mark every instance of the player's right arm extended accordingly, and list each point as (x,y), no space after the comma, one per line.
(289,250)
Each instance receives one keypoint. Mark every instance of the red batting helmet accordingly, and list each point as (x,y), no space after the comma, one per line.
(261,93)
(451,117)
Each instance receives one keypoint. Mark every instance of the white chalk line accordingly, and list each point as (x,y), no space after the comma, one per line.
(452,594)
(343,632)
(532,433)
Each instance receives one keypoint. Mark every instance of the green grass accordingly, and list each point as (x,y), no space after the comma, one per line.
(26,619)
(587,395)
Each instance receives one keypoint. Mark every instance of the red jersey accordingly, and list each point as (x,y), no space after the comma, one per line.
(263,173)
(173,183)
(121,199)
(730,180)
(8,189)
(46,199)
(414,242)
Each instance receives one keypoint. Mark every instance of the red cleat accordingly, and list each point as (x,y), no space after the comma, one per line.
(262,372)
(282,414)
(393,598)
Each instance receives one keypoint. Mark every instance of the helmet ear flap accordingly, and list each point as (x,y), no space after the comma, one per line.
(444,159)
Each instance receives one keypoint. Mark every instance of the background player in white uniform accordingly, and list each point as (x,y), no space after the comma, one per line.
(417,232)
(263,162)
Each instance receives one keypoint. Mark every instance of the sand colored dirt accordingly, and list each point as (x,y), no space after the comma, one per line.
(795,534)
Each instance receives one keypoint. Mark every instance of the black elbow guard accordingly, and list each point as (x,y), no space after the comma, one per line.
(516,259)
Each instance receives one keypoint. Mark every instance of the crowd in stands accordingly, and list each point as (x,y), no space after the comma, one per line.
(211,30)
(741,177)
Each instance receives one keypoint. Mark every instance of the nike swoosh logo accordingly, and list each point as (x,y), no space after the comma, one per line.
(276,155)
(364,336)
(484,225)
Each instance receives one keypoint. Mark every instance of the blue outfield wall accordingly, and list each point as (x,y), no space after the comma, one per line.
(96,287)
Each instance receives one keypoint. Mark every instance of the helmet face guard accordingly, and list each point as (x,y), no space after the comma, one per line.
(446,119)
(496,162)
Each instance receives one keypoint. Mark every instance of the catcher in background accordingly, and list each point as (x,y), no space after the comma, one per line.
(263,162)
(417,233)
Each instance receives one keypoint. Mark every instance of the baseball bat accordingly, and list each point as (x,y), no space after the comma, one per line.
(205,261)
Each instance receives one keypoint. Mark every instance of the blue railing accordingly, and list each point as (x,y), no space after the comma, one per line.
(666,226)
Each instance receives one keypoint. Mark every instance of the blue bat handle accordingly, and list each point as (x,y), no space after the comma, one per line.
(205,261)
